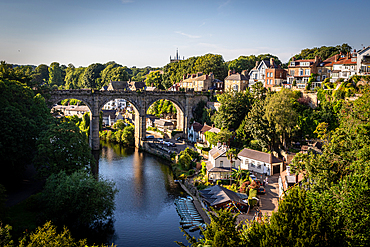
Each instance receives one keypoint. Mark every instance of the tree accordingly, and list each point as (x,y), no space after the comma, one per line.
(232,155)
(154,79)
(41,74)
(211,63)
(78,199)
(74,78)
(221,232)
(91,75)
(294,224)
(55,74)
(62,146)
(234,107)
(280,113)
(23,116)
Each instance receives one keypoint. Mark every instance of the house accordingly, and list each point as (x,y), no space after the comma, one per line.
(220,197)
(260,162)
(258,73)
(118,85)
(136,85)
(324,70)
(193,133)
(163,124)
(206,128)
(78,110)
(198,81)
(150,119)
(117,104)
(363,61)
(287,179)
(237,82)
(301,70)
(109,117)
(217,85)
(213,105)
(343,67)
(275,76)
(218,166)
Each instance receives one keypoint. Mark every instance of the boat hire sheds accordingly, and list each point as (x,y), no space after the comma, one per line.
(260,162)
(220,197)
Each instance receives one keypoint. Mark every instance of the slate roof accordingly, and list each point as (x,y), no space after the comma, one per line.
(111,113)
(163,122)
(218,195)
(260,156)
(117,85)
(217,151)
(197,126)
(237,77)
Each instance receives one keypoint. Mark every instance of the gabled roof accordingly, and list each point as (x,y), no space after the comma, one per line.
(163,122)
(237,77)
(214,130)
(111,113)
(218,195)
(134,85)
(260,156)
(217,151)
(363,50)
(205,128)
(196,126)
(117,85)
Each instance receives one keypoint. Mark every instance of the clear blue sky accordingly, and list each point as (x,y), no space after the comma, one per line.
(146,32)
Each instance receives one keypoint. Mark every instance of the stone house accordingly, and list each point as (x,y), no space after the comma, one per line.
(218,166)
(237,82)
(206,128)
(257,161)
(150,120)
(109,117)
(197,82)
(163,124)
(301,70)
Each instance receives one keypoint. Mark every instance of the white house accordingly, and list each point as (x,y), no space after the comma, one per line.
(363,61)
(344,67)
(117,104)
(258,72)
(218,166)
(193,133)
(260,162)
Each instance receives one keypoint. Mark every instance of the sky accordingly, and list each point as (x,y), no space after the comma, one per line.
(147,32)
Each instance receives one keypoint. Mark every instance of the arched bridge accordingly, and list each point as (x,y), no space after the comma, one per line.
(185,102)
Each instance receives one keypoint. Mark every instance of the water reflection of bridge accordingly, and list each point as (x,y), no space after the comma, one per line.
(184,102)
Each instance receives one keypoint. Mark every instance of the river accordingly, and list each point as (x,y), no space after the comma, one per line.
(145,213)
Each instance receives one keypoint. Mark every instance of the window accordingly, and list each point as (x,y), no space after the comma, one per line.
(235,87)
(301,72)
(221,163)
(233,164)
(259,166)
(319,70)
(292,72)
(253,165)
(292,63)
(307,72)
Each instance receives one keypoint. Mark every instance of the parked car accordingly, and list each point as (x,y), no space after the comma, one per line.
(252,177)
(261,190)
(160,140)
(150,137)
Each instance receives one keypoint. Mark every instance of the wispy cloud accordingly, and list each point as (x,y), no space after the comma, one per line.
(127,1)
(224,4)
(188,35)
(202,24)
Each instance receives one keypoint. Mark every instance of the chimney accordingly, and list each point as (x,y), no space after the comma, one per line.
(271,62)
(244,72)
(206,77)
(336,58)
(316,59)
(233,71)
(293,58)
(256,64)
(229,73)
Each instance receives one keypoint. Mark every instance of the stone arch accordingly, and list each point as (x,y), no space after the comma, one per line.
(181,110)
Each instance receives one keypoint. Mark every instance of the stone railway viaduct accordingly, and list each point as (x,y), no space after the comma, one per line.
(184,102)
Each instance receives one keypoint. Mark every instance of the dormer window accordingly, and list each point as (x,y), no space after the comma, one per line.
(292,63)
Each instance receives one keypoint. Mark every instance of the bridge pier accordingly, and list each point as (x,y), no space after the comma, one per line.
(94,139)
(140,129)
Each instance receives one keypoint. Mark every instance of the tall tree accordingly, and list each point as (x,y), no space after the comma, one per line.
(41,74)
(91,76)
(55,74)
(234,107)
(280,113)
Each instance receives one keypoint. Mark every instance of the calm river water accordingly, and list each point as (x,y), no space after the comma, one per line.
(145,213)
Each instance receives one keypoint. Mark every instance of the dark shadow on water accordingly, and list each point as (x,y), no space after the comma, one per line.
(97,234)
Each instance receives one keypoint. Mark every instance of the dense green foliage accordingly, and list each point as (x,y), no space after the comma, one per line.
(62,147)
(77,199)
(23,115)
(124,134)
(47,235)
(324,51)
(249,62)
(163,108)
